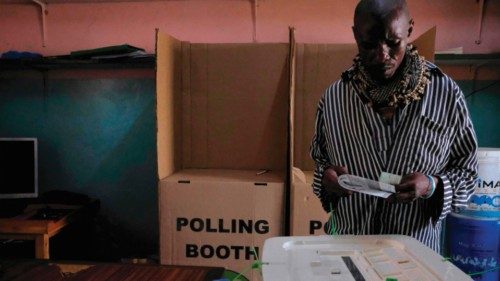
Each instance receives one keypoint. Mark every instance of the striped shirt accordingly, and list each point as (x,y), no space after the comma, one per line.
(433,136)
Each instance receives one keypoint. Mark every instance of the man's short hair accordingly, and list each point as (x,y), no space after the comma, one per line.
(379,8)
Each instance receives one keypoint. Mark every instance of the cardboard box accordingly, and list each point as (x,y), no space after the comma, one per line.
(222,114)
(317,66)
(219,217)
(307,214)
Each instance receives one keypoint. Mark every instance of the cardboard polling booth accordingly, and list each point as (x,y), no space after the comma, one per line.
(222,150)
(316,67)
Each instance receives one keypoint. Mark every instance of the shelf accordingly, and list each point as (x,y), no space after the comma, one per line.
(467,59)
(149,62)
(57,63)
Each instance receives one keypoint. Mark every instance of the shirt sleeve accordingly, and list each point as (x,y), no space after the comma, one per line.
(457,181)
(320,156)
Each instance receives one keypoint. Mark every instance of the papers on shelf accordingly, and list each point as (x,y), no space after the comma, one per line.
(110,52)
(134,54)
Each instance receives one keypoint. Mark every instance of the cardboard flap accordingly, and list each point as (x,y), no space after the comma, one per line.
(302,177)
(309,176)
(426,44)
(168,78)
(306,215)
(236,106)
(298,175)
(253,177)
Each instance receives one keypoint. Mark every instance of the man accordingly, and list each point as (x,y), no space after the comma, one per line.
(393,112)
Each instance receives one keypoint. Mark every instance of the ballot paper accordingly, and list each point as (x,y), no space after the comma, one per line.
(389,178)
(366,186)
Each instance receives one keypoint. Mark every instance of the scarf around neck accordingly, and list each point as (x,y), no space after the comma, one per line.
(408,84)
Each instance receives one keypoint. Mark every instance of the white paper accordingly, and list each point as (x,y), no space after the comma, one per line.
(366,186)
(389,178)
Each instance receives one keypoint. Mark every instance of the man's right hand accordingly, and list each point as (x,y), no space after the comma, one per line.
(330,181)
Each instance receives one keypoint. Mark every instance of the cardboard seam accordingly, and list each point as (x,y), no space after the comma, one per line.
(186,112)
(207,95)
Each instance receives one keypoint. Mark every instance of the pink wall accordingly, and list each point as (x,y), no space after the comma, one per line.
(78,26)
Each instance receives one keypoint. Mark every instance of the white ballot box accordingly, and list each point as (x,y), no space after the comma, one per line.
(354,258)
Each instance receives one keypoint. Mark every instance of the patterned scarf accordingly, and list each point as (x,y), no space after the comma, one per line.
(408,85)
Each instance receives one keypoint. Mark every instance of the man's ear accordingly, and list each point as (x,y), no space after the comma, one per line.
(410,27)
(355,33)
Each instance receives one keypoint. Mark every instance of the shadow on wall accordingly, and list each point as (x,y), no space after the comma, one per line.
(483,102)
(133,186)
(96,137)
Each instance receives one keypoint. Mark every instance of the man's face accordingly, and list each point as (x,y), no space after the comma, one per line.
(382,43)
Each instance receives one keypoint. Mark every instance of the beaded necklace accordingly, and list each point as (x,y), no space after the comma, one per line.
(408,85)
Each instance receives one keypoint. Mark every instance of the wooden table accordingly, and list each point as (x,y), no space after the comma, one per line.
(64,271)
(21,227)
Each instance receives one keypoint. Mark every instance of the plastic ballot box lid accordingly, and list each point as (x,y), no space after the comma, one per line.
(354,258)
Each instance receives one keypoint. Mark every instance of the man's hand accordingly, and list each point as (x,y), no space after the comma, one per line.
(330,181)
(411,187)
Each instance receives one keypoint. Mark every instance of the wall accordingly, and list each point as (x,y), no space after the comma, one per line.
(97,130)
(97,136)
(480,84)
(76,26)
(483,107)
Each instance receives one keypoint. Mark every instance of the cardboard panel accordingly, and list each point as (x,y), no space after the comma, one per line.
(426,44)
(291,111)
(186,103)
(307,214)
(318,66)
(226,176)
(238,100)
(230,112)
(215,217)
(168,58)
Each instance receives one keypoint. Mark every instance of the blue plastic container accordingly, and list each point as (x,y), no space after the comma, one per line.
(473,244)
(486,197)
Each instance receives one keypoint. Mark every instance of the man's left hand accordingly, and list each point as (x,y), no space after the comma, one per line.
(411,187)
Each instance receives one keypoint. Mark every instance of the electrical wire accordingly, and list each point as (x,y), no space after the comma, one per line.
(485,271)
(481,89)
(257,265)
(475,273)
